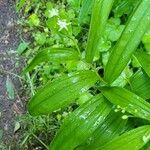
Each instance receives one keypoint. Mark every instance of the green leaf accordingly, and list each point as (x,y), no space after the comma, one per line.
(53,55)
(81,123)
(40,37)
(128,42)
(20,4)
(61,92)
(122,7)
(140,84)
(128,101)
(34,20)
(146,40)
(111,127)
(10,89)
(85,9)
(101,10)
(22,47)
(144,60)
(134,139)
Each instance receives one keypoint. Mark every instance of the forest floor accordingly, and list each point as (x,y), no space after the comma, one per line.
(9,68)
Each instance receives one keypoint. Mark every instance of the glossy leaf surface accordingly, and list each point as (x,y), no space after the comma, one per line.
(129,101)
(140,84)
(144,60)
(53,55)
(128,42)
(81,123)
(61,92)
(110,128)
(134,139)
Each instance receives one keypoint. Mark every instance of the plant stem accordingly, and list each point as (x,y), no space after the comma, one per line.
(40,141)
(31,84)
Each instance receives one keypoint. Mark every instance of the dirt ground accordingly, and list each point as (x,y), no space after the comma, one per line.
(9,68)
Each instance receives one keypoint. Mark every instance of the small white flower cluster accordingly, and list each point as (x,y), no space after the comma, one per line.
(61,23)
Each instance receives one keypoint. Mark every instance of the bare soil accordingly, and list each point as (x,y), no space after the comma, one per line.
(9,67)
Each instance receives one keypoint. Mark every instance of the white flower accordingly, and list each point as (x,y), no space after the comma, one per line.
(62,24)
(53,12)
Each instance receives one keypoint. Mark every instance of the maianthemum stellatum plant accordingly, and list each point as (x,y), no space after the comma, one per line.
(104,122)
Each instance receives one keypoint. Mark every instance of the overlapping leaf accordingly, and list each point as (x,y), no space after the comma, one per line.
(144,60)
(140,84)
(128,42)
(81,123)
(128,101)
(61,92)
(101,10)
(110,128)
(85,9)
(53,55)
(134,139)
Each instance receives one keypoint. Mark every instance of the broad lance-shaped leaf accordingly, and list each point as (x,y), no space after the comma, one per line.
(127,100)
(128,42)
(144,60)
(53,55)
(100,13)
(140,84)
(85,9)
(81,123)
(61,92)
(134,139)
(110,128)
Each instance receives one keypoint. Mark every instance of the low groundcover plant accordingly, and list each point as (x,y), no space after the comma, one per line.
(116,115)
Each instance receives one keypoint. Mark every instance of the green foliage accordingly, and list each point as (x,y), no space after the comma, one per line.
(109,128)
(101,10)
(134,139)
(128,101)
(68,66)
(53,54)
(144,60)
(61,92)
(85,10)
(128,42)
(140,84)
(81,123)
